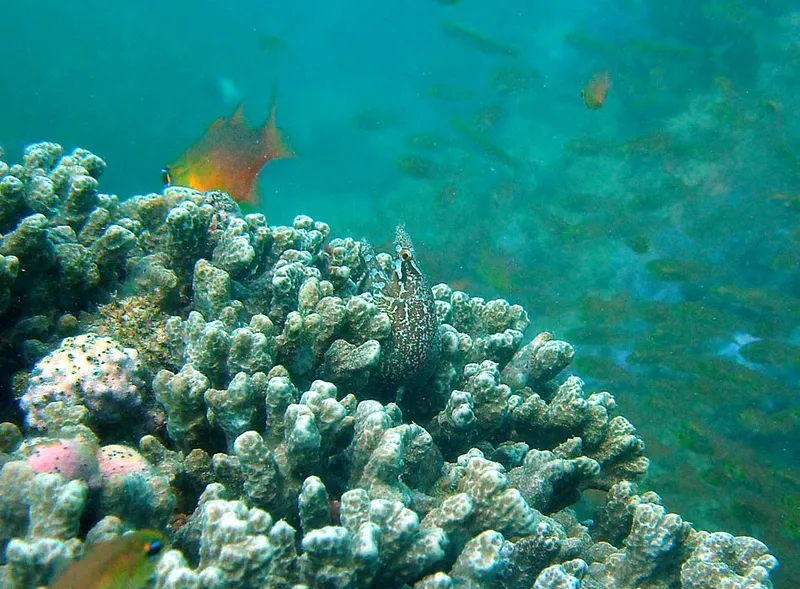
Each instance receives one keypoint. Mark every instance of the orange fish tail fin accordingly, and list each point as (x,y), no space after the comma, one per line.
(250,200)
(277,146)
(237,118)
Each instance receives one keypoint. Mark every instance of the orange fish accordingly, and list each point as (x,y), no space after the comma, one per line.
(230,156)
(594,93)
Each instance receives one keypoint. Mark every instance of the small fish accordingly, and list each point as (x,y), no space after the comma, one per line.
(594,93)
(476,40)
(417,166)
(483,141)
(789,200)
(675,270)
(509,80)
(447,93)
(638,243)
(373,120)
(229,157)
(771,352)
(271,43)
(126,562)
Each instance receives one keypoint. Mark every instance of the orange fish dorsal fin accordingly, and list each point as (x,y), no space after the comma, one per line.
(237,118)
(216,124)
(277,147)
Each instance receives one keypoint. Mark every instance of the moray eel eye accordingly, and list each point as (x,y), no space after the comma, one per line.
(405,255)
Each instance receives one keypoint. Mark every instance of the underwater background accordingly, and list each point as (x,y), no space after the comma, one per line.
(659,234)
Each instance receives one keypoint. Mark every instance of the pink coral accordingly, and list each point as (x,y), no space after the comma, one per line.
(116,459)
(90,370)
(73,459)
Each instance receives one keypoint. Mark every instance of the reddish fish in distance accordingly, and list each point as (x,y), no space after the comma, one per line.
(594,93)
(230,156)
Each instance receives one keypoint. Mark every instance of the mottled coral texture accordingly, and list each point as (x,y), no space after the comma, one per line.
(88,370)
(311,413)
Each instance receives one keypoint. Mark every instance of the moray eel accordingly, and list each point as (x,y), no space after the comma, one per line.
(409,356)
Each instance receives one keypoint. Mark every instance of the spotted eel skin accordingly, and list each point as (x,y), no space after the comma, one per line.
(409,356)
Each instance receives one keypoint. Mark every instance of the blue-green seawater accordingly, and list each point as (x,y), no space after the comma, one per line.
(659,234)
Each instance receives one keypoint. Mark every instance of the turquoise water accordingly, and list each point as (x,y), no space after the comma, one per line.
(659,234)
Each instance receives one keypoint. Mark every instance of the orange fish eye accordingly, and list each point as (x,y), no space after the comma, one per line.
(405,255)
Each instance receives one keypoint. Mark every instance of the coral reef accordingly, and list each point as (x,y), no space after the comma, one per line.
(89,371)
(305,412)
